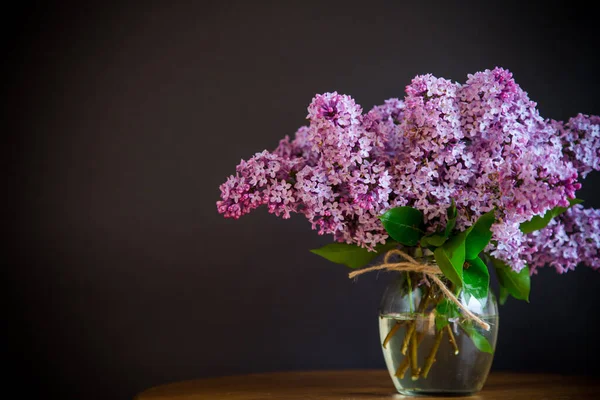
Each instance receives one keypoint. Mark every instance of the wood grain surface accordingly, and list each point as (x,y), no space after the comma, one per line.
(364,385)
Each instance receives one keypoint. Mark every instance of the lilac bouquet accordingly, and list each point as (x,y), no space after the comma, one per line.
(482,145)
(470,173)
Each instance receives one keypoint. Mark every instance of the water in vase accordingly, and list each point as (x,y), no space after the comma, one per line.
(440,361)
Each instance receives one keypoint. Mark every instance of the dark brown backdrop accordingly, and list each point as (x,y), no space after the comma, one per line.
(123,121)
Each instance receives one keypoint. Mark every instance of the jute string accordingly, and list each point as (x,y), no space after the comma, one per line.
(431,271)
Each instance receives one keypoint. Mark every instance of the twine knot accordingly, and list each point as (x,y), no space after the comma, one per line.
(432,271)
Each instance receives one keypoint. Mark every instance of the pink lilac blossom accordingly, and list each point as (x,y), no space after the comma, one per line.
(569,240)
(481,143)
(581,138)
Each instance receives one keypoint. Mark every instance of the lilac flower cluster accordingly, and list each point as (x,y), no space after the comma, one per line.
(581,140)
(567,241)
(481,143)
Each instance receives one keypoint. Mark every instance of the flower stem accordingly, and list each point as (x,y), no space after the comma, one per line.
(414,368)
(431,357)
(403,367)
(413,324)
(409,333)
(410,293)
(452,339)
(392,332)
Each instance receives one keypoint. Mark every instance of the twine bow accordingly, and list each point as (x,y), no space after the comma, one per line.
(432,272)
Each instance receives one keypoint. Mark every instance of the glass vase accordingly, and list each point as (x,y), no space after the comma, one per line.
(430,346)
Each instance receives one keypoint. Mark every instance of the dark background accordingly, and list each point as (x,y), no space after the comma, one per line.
(123,120)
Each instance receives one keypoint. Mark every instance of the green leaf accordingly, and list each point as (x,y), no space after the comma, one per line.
(440,322)
(450,258)
(404,224)
(538,222)
(503,295)
(435,240)
(451,213)
(445,309)
(351,255)
(479,235)
(517,284)
(477,279)
(387,246)
(478,339)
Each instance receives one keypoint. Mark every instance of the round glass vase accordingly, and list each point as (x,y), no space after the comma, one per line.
(429,346)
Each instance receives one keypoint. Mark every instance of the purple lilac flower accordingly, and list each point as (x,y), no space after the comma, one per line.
(482,144)
(581,139)
(569,240)
(262,180)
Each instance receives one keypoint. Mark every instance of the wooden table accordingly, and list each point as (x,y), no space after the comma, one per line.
(364,385)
